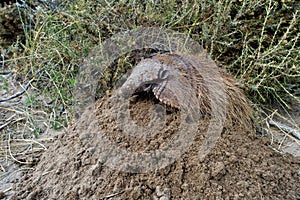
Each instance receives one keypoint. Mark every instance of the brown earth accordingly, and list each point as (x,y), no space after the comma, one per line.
(240,166)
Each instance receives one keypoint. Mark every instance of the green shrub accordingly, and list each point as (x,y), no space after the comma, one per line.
(256,41)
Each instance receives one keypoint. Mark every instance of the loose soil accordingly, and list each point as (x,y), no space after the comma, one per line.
(241,165)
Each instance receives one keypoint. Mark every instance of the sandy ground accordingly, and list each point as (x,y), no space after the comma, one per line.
(77,165)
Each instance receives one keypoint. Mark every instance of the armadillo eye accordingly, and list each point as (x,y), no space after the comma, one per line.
(163,74)
(148,87)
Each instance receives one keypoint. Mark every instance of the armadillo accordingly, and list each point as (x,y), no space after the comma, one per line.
(181,81)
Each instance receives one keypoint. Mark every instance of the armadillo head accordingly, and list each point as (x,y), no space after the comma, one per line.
(160,78)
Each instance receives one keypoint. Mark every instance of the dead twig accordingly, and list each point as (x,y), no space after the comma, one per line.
(18,93)
(2,70)
(2,56)
(2,168)
(5,73)
(9,140)
(113,195)
(7,123)
(286,128)
(4,125)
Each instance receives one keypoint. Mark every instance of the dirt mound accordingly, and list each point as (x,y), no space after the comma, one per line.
(239,166)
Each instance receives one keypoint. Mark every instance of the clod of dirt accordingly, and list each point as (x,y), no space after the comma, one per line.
(76,166)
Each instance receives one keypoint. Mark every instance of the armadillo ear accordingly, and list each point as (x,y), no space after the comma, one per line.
(163,74)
